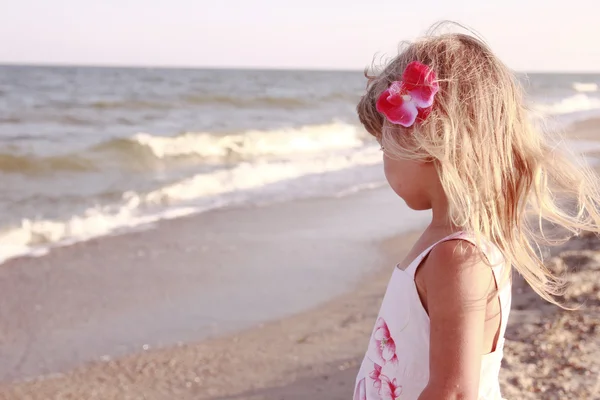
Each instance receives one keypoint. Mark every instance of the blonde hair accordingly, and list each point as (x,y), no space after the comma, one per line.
(494,164)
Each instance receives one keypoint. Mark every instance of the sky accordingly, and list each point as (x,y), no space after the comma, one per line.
(529,35)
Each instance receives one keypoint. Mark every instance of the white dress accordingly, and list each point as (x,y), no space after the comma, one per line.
(396,364)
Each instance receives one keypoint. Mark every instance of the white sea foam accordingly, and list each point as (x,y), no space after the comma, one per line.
(252,144)
(35,237)
(248,176)
(335,174)
(244,183)
(585,86)
(574,104)
(360,187)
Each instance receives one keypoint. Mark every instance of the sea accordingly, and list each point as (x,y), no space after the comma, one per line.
(87,152)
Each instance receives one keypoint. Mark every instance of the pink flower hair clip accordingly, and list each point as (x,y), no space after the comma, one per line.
(410,99)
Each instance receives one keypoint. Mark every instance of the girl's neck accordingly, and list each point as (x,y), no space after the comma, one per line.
(439,211)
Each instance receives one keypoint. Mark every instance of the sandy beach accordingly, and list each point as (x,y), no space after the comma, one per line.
(271,302)
(550,353)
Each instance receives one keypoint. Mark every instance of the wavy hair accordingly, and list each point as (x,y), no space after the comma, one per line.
(504,178)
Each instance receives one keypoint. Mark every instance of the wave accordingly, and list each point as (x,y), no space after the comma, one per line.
(335,174)
(251,176)
(10,120)
(247,102)
(250,144)
(145,149)
(271,101)
(577,103)
(244,183)
(585,87)
(37,237)
(129,105)
(212,99)
(28,164)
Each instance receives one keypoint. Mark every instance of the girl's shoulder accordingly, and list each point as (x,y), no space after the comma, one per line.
(459,267)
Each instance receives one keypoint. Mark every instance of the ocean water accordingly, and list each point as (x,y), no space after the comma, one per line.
(86,152)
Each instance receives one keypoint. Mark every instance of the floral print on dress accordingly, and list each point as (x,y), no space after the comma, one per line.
(384,344)
(390,390)
(384,388)
(376,376)
(361,392)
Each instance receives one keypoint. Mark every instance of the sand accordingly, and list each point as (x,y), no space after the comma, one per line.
(553,353)
(320,344)
(550,353)
(74,322)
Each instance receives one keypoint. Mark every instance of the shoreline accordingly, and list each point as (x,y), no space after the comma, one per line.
(189,279)
(577,136)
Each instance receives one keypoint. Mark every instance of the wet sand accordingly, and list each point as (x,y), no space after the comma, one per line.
(188,279)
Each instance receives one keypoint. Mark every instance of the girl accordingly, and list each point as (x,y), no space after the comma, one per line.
(456,139)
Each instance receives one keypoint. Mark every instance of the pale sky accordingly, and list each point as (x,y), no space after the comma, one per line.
(529,35)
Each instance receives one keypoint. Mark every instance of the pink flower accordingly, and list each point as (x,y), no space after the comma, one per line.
(411,98)
(360,393)
(375,375)
(385,346)
(390,390)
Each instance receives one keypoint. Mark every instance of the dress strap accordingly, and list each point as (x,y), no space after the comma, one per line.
(501,278)
(412,267)
(494,257)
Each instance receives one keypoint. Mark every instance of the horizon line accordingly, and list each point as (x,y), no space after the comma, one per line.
(236,68)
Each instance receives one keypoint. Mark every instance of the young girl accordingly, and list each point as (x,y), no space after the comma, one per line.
(457,139)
